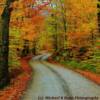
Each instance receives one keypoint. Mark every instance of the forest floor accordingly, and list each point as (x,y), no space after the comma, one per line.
(19,81)
(88,74)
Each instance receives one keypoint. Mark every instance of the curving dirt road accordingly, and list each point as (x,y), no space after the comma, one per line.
(50,81)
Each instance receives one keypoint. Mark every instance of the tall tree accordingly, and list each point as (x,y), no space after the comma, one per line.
(5,20)
(64,21)
(98,6)
(27,6)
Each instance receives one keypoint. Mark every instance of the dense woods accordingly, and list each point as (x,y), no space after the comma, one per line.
(70,29)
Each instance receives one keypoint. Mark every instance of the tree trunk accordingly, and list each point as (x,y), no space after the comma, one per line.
(98,15)
(34,48)
(4,72)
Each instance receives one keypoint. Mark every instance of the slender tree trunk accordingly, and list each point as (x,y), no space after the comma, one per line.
(34,48)
(64,22)
(56,37)
(4,72)
(98,15)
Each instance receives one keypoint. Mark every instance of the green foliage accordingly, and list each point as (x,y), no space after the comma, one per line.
(87,66)
(79,65)
(71,64)
(14,43)
(13,59)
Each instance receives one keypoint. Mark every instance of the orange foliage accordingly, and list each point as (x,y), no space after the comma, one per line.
(81,19)
(28,19)
(2,4)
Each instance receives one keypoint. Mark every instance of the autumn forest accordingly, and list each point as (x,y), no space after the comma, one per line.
(67,29)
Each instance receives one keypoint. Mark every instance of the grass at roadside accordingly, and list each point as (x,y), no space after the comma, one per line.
(91,64)
(79,65)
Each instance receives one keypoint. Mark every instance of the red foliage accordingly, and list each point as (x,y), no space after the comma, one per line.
(25,65)
(95,78)
(18,83)
(15,72)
